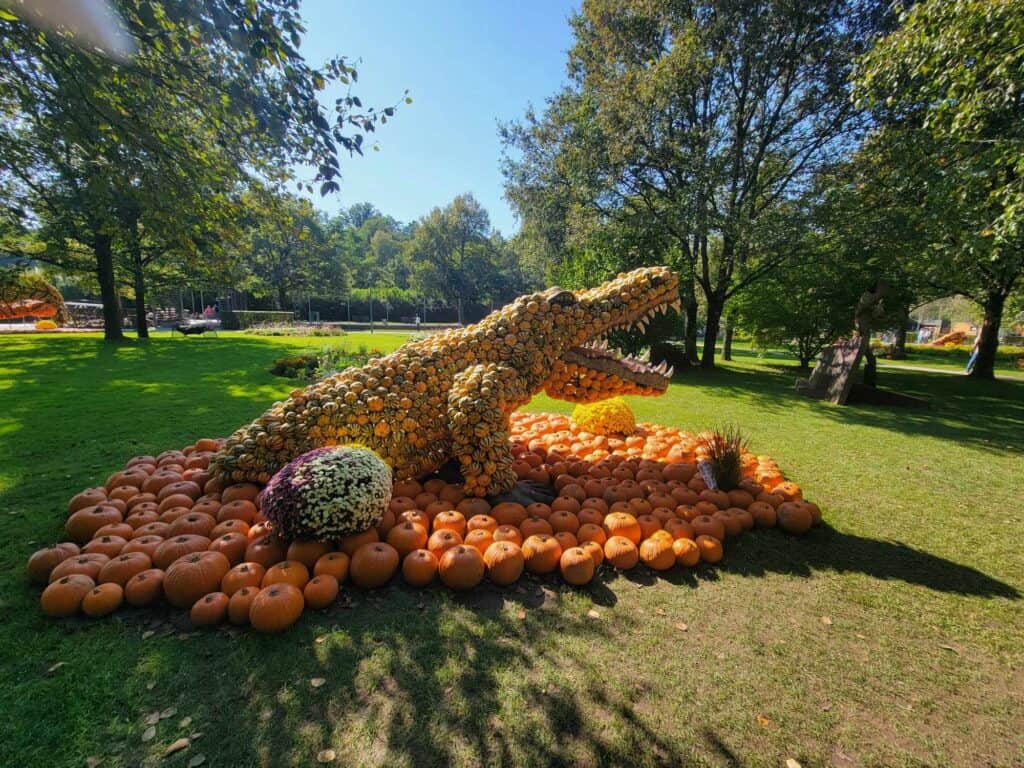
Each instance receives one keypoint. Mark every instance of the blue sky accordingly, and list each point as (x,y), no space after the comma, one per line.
(467,65)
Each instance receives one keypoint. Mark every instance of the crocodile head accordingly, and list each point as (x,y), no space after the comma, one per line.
(572,359)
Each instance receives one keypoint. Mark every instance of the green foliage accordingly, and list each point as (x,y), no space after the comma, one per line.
(140,168)
(947,154)
(297,367)
(244,319)
(687,136)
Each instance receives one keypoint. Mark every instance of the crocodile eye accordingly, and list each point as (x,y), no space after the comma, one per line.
(561,298)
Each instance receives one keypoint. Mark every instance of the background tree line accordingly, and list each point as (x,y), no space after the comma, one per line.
(784,157)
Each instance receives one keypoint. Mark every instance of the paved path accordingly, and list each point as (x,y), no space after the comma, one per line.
(947,371)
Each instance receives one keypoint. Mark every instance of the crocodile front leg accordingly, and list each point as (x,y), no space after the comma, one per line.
(479,402)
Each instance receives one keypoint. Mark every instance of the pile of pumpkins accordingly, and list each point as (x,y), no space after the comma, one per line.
(162,529)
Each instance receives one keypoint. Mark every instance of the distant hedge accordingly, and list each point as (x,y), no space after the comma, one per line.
(237,320)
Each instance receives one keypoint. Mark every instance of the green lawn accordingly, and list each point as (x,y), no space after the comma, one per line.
(890,636)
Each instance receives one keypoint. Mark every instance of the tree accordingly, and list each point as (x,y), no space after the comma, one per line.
(947,88)
(451,249)
(701,117)
(217,95)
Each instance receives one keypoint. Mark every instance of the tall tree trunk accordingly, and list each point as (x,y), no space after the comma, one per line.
(899,349)
(870,366)
(985,365)
(108,289)
(715,306)
(727,341)
(141,323)
(690,337)
(282,297)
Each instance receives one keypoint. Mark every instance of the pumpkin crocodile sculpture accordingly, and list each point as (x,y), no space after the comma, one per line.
(450,395)
(26,294)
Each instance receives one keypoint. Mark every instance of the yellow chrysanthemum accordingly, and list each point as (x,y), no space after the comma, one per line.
(606,417)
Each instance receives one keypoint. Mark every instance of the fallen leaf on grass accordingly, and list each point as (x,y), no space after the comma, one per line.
(826,707)
(176,746)
(592,614)
(92,762)
(149,734)
(660,611)
(763,721)
(153,718)
(520,614)
(681,627)
(326,756)
(151,685)
(791,763)
(321,640)
(950,648)
(55,667)
(826,620)
(316,682)
(185,722)
(148,634)
(169,712)
(196,761)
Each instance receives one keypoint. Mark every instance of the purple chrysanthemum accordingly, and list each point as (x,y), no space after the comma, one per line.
(328,493)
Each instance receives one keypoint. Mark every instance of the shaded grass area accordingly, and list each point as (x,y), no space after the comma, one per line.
(890,636)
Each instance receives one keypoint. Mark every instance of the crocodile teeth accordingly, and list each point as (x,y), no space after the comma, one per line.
(671,371)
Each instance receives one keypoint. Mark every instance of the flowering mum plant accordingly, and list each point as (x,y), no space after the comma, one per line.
(328,493)
(605,417)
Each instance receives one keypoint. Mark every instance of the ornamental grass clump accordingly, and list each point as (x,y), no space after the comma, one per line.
(605,417)
(723,448)
(328,493)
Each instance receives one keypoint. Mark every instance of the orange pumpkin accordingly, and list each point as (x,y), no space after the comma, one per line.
(102,600)
(351,543)
(537,509)
(179,546)
(482,522)
(532,526)
(509,513)
(705,525)
(123,530)
(84,564)
(240,603)
(541,553)
(479,538)
(733,525)
(241,509)
(763,514)
(408,537)
(374,564)
(624,525)
(595,550)
(591,532)
(472,506)
(441,541)
(564,520)
(679,529)
(266,550)
(124,567)
(43,561)
(64,596)
(287,572)
(194,575)
(194,522)
(144,588)
(242,575)
(278,606)
(84,523)
(419,568)
(656,552)
(710,548)
(232,545)
(333,564)
(321,591)
(90,497)
(504,561)
(794,517)
(788,491)
(140,517)
(508,533)
(648,525)
(686,552)
(461,567)
(155,528)
(621,552)
(577,566)
(240,491)
(210,610)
